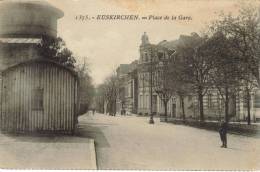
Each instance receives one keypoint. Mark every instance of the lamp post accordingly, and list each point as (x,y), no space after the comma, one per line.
(152,67)
(151,121)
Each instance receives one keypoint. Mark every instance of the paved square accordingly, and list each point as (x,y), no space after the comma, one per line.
(129,142)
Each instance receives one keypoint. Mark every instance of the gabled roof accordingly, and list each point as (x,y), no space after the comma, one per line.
(172,45)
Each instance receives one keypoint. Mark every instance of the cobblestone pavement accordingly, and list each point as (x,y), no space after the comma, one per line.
(129,142)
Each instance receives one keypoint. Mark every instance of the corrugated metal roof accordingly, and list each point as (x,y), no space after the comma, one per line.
(20,40)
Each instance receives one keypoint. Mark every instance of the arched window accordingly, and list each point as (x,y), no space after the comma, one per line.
(145,56)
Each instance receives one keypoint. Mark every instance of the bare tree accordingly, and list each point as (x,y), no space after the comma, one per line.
(100,98)
(111,93)
(196,65)
(162,84)
(179,81)
(86,87)
(226,73)
(243,30)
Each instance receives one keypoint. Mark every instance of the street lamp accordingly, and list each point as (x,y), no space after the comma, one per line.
(151,121)
(161,63)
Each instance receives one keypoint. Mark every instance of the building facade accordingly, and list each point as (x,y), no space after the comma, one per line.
(150,55)
(127,100)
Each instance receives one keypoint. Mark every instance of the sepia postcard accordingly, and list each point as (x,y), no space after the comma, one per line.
(130,85)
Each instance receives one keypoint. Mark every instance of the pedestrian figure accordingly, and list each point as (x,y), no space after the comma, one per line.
(93,111)
(223,133)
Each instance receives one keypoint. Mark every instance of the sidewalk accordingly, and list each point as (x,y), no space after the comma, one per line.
(53,153)
(240,128)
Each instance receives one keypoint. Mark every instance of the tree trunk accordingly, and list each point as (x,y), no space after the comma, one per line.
(165,111)
(200,96)
(114,107)
(226,105)
(110,108)
(248,106)
(183,109)
(105,107)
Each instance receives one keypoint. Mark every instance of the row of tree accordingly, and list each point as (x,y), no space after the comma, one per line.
(55,49)
(225,58)
(107,94)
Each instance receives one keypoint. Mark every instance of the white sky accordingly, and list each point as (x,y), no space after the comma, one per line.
(106,44)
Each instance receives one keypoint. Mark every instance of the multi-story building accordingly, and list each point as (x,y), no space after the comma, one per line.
(127,97)
(150,57)
(137,87)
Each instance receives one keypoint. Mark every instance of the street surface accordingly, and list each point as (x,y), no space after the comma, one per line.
(130,143)
(46,152)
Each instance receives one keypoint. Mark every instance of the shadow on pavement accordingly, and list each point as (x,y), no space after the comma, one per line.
(44,138)
(94,132)
(84,131)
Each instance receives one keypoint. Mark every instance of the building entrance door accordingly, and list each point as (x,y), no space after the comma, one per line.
(174,110)
(154,105)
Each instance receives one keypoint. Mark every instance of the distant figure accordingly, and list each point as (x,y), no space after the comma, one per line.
(93,111)
(223,133)
(123,112)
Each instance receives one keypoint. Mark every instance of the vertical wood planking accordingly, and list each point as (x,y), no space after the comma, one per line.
(52,98)
(1,98)
(6,110)
(38,78)
(44,82)
(12,103)
(15,110)
(58,115)
(10,115)
(66,102)
(70,102)
(29,110)
(7,104)
(56,101)
(2,101)
(46,97)
(34,113)
(49,99)
(75,114)
(59,99)
(25,103)
(21,90)
(47,94)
